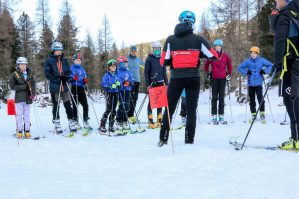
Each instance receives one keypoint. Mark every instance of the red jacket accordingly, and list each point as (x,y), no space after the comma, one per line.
(221,67)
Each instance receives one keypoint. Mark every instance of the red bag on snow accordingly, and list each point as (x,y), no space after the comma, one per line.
(158,97)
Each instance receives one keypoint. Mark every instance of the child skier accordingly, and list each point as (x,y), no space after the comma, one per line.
(155,75)
(57,71)
(23,83)
(78,81)
(126,79)
(255,67)
(111,84)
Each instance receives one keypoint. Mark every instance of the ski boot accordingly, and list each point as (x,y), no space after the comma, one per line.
(162,142)
(57,127)
(159,120)
(214,120)
(126,126)
(72,126)
(87,126)
(20,135)
(111,129)
(151,123)
(221,119)
(252,117)
(119,126)
(27,134)
(263,117)
(184,121)
(289,144)
(102,129)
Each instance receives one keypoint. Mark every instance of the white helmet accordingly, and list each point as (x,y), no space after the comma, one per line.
(56,46)
(21,60)
(156,44)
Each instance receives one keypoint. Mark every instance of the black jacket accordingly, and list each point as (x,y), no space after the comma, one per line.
(23,88)
(153,71)
(183,50)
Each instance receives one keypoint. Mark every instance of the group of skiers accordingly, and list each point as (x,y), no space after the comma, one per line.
(182,52)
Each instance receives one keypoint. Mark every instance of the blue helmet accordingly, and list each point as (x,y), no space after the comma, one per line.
(56,46)
(187,17)
(218,42)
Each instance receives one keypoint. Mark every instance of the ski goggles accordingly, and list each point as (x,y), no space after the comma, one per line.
(112,64)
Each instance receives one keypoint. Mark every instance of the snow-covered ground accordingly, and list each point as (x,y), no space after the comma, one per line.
(133,166)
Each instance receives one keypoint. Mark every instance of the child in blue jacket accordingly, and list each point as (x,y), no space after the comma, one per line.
(78,81)
(255,67)
(127,83)
(111,85)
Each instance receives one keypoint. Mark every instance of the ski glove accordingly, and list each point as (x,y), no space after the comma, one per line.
(85,80)
(63,78)
(262,72)
(126,83)
(32,96)
(249,72)
(228,77)
(116,84)
(76,77)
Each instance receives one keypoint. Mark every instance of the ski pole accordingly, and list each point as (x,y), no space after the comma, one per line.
(81,117)
(268,99)
(230,105)
(111,112)
(58,103)
(124,108)
(77,100)
(140,107)
(246,104)
(260,105)
(210,101)
(93,107)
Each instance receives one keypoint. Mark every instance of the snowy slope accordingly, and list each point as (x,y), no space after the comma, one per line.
(134,167)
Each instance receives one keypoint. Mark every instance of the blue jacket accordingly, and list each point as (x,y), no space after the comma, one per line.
(77,69)
(255,66)
(134,66)
(109,79)
(124,75)
(153,71)
(52,74)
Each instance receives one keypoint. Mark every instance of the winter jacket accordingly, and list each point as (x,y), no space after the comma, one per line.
(109,79)
(23,87)
(124,75)
(134,66)
(220,67)
(183,50)
(153,71)
(255,66)
(52,73)
(77,69)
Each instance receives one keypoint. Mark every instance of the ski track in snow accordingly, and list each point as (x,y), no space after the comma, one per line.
(133,166)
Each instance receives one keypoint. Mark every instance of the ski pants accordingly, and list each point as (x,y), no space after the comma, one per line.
(23,116)
(174,91)
(124,105)
(218,94)
(134,98)
(258,91)
(111,102)
(66,98)
(80,97)
(159,110)
(183,112)
(292,106)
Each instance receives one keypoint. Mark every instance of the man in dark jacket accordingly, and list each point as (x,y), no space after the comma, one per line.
(182,52)
(57,71)
(286,60)
(155,75)
(220,73)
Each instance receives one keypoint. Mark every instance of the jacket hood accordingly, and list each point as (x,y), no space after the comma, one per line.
(293,5)
(122,66)
(182,29)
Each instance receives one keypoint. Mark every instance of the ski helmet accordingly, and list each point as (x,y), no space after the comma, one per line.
(21,60)
(255,49)
(156,44)
(218,42)
(56,46)
(111,62)
(77,56)
(122,59)
(133,48)
(187,17)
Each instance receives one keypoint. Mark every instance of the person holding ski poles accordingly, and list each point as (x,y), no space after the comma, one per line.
(135,63)
(57,71)
(286,54)
(126,79)
(182,52)
(155,75)
(220,73)
(23,83)
(111,84)
(78,81)
(255,68)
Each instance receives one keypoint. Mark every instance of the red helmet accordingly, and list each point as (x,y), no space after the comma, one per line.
(122,59)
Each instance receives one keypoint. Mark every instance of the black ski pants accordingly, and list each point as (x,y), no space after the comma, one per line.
(258,91)
(111,102)
(123,107)
(65,96)
(80,97)
(218,93)
(174,91)
(183,111)
(134,98)
(292,106)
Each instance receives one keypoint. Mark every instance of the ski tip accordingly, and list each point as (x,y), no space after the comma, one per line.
(238,149)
